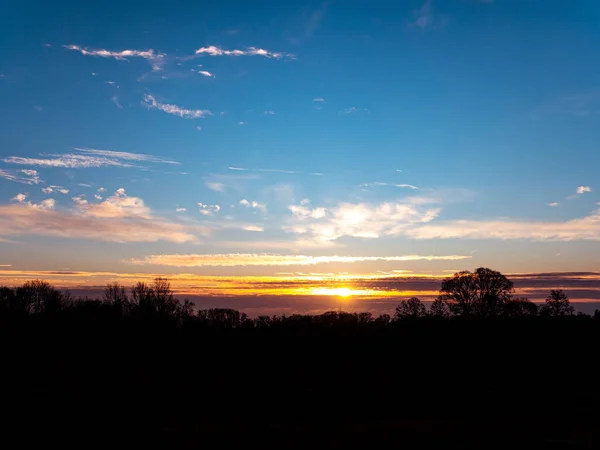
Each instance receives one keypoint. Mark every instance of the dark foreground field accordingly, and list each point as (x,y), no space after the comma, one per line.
(451,383)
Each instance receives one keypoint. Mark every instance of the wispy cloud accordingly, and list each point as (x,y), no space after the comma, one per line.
(29,176)
(180,209)
(216,186)
(425,18)
(115,100)
(318,99)
(585,229)
(285,171)
(208,210)
(213,50)
(583,104)
(206,73)
(256,228)
(583,189)
(378,183)
(151,103)
(248,259)
(87,158)
(38,108)
(355,110)
(553,204)
(155,59)
(51,189)
(307,23)
(269,113)
(236,168)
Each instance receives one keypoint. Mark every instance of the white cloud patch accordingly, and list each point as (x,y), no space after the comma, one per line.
(355,110)
(254,205)
(25,176)
(262,259)
(208,210)
(256,228)
(269,113)
(318,99)
(216,186)
(250,51)
(151,103)
(553,204)
(119,205)
(180,209)
(358,220)
(583,190)
(206,73)
(52,188)
(46,204)
(156,59)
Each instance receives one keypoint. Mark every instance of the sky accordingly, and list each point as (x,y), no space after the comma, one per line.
(241,145)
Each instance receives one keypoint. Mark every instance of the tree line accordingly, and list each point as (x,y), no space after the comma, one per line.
(484,293)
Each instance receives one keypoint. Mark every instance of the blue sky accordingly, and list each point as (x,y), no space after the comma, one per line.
(425,136)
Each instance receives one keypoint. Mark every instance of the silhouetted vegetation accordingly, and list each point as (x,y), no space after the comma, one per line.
(475,363)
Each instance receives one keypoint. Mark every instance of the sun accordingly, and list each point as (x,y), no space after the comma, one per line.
(338,292)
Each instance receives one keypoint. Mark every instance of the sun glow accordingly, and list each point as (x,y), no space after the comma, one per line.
(339,292)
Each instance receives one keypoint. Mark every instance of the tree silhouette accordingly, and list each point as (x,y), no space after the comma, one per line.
(557,304)
(115,295)
(439,308)
(39,296)
(519,307)
(412,308)
(481,293)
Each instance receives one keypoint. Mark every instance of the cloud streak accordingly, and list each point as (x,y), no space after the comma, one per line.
(213,50)
(151,103)
(248,259)
(87,158)
(155,59)
(29,176)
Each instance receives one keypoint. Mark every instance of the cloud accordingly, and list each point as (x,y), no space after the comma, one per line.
(358,220)
(248,259)
(585,229)
(242,123)
(271,170)
(115,100)
(199,128)
(118,219)
(579,105)
(38,108)
(51,189)
(151,103)
(250,51)
(318,99)
(254,205)
(425,18)
(553,204)
(119,205)
(155,59)
(268,113)
(253,228)
(308,22)
(377,183)
(112,83)
(583,189)
(206,73)
(215,186)
(30,176)
(43,205)
(236,168)
(86,158)
(101,189)
(180,209)
(208,210)
(97,197)
(85,185)
(354,110)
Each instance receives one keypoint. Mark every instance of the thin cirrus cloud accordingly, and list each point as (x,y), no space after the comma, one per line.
(284,171)
(248,259)
(213,50)
(155,59)
(216,186)
(583,229)
(25,176)
(256,228)
(87,158)
(151,103)
(119,218)
(378,183)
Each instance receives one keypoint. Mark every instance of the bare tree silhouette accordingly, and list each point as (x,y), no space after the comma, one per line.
(481,293)
(557,304)
(412,308)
